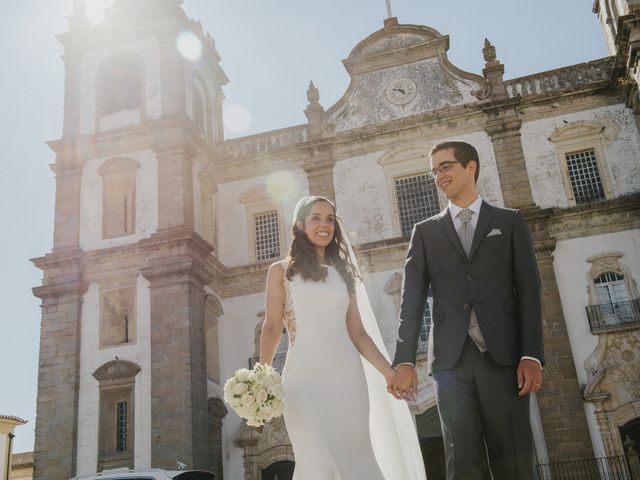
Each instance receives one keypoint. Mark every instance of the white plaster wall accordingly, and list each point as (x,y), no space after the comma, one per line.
(91,202)
(362,200)
(366,204)
(231,217)
(92,357)
(571,270)
(621,154)
(149,51)
(237,335)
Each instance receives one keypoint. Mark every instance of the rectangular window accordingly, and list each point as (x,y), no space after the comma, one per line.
(417,198)
(585,176)
(267,236)
(121,438)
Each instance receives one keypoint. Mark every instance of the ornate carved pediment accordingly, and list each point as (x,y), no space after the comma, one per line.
(116,370)
(400,71)
(614,370)
(584,128)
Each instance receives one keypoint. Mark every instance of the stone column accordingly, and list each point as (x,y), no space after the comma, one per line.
(175,265)
(59,365)
(560,399)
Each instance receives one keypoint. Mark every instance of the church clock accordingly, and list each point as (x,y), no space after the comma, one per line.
(401,91)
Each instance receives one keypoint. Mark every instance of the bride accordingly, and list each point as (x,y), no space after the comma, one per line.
(342,423)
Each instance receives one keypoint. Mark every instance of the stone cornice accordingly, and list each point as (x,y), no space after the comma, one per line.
(176,252)
(60,289)
(161,135)
(245,280)
(596,218)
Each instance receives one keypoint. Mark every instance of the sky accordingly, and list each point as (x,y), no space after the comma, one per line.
(270,51)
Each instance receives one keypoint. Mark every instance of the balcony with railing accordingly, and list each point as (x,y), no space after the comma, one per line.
(614,316)
(607,468)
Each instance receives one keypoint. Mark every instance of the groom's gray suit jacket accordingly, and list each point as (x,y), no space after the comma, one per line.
(500,281)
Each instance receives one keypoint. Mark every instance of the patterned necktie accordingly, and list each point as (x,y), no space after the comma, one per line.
(465,233)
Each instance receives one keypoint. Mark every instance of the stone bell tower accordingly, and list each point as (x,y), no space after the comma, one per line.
(127,357)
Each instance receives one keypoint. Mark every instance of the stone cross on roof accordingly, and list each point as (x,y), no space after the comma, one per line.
(389,14)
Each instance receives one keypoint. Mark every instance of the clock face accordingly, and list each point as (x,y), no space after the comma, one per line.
(401,91)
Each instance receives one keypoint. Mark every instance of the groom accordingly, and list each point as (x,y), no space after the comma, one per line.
(486,355)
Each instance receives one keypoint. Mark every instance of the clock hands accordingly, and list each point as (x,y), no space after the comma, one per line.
(399,90)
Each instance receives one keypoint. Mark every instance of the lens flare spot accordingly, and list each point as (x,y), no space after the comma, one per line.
(189,46)
(93,9)
(237,118)
(283,186)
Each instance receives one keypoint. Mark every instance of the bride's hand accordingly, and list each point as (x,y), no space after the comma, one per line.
(388,376)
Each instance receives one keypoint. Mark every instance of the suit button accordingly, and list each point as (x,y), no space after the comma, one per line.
(467,307)
(470,277)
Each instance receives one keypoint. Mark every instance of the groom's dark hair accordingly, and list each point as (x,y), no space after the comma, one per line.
(463,151)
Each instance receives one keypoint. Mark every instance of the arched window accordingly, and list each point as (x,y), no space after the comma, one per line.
(614,302)
(611,288)
(120,84)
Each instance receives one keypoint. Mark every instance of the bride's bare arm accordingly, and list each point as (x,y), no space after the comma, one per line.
(363,342)
(274,309)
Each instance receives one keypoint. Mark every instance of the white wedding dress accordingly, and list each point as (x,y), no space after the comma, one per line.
(328,397)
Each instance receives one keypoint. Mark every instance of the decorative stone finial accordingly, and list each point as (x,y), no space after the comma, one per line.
(489,51)
(313,94)
(493,75)
(314,111)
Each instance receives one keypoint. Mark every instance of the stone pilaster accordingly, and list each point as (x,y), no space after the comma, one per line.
(175,265)
(217,411)
(175,180)
(172,76)
(503,127)
(59,365)
(68,172)
(319,169)
(560,399)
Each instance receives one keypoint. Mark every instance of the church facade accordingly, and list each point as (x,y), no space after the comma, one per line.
(152,294)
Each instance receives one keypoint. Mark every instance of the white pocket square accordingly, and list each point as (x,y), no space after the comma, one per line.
(495,231)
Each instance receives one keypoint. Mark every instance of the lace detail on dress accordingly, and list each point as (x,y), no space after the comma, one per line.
(289,316)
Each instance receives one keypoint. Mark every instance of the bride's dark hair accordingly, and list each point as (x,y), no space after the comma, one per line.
(303,258)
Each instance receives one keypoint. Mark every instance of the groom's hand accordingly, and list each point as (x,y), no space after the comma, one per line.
(404,383)
(529,376)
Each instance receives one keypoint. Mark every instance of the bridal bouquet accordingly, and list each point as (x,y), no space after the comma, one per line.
(256,394)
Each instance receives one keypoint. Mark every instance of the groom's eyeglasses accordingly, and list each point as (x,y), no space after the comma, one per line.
(444,167)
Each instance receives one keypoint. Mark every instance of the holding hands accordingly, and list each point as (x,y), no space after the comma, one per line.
(404,383)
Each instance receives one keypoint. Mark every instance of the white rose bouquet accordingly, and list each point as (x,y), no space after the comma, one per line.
(256,394)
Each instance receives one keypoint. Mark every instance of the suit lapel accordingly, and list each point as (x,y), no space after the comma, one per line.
(484,222)
(446,223)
